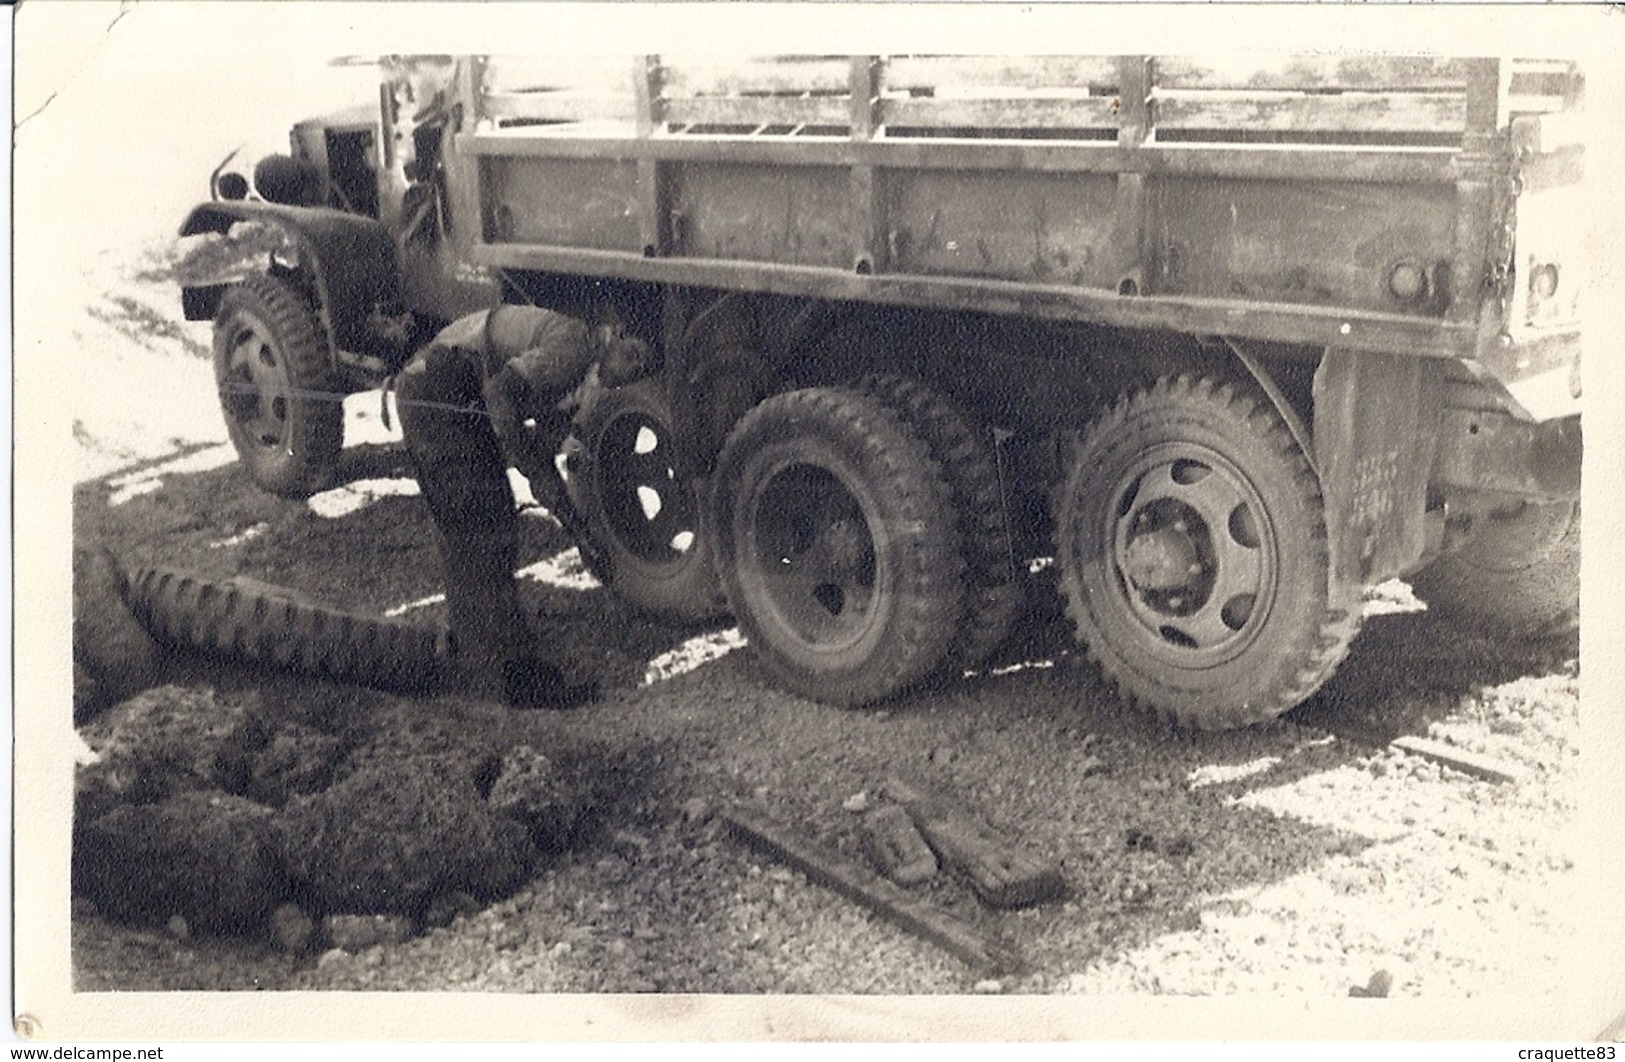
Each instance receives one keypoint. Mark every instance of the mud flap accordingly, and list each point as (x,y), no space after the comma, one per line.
(1376,432)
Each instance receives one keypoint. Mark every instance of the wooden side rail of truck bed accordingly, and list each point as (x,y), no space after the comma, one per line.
(1351,202)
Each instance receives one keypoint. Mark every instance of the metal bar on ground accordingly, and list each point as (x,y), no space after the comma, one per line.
(863,886)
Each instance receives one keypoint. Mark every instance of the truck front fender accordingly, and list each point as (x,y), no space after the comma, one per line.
(349,263)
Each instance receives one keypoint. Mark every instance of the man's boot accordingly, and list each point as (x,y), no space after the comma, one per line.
(496,652)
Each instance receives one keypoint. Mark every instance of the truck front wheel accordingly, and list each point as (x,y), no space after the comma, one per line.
(1193,554)
(281,402)
(837,545)
(1517,575)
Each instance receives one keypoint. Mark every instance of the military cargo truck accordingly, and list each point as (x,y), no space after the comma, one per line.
(1224,341)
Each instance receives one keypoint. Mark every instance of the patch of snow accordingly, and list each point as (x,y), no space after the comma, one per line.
(353,497)
(1025,665)
(174,406)
(1322,931)
(147,480)
(1393,597)
(691,654)
(253,531)
(364,421)
(422,602)
(1347,799)
(83,754)
(565,570)
(1220,773)
(522,495)
(134,490)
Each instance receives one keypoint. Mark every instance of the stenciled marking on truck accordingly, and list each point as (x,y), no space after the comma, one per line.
(1372,496)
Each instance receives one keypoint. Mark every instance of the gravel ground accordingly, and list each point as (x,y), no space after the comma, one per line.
(1285,860)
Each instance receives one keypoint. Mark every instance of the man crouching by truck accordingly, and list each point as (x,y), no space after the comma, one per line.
(483,394)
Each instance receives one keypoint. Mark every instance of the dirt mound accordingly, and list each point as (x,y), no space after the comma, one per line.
(161,743)
(204,857)
(391,838)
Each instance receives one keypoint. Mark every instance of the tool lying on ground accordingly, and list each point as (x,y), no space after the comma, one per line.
(1002,875)
(894,844)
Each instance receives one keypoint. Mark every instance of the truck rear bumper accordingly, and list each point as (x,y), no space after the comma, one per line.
(1495,452)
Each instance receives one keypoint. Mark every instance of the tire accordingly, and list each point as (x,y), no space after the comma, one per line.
(1191,540)
(836,545)
(661,561)
(282,403)
(1518,576)
(259,625)
(994,588)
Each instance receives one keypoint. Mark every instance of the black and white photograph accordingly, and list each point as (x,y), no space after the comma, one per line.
(816,521)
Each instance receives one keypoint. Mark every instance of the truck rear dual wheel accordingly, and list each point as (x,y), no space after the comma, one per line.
(1518,575)
(282,404)
(994,589)
(639,509)
(1192,547)
(837,545)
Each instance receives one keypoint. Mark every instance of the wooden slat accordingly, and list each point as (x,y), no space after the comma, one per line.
(1396,166)
(1350,112)
(863,886)
(759,110)
(1304,325)
(1384,73)
(558,107)
(610,75)
(938,72)
(1520,104)
(1542,68)
(772,74)
(1095,112)
(1459,759)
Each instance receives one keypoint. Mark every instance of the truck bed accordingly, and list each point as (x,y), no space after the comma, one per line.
(1319,200)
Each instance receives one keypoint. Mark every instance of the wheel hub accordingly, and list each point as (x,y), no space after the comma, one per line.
(811,535)
(1164,559)
(846,546)
(1192,561)
(254,390)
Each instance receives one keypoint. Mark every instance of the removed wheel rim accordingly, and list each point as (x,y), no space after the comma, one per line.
(1192,555)
(645,504)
